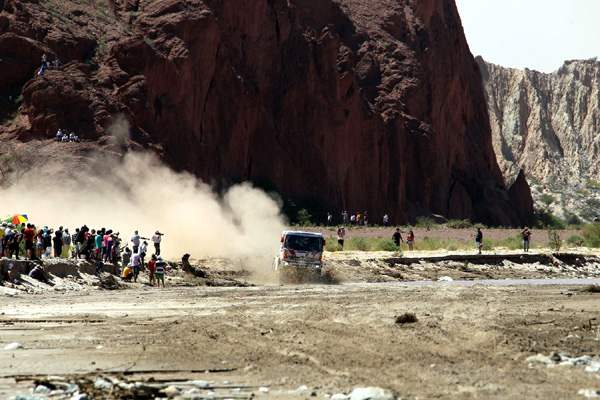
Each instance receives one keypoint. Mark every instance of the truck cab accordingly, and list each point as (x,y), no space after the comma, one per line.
(300,251)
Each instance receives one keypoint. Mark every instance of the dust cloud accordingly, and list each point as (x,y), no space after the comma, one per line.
(119,128)
(138,192)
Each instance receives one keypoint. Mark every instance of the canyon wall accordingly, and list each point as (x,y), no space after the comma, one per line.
(344,104)
(546,124)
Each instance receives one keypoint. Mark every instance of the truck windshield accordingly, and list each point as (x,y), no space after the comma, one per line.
(304,243)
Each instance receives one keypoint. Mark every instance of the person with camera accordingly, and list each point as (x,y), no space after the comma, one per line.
(156,239)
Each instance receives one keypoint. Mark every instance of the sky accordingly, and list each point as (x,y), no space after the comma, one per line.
(535,34)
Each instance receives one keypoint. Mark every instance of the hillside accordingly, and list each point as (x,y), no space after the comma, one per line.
(547,125)
(335,105)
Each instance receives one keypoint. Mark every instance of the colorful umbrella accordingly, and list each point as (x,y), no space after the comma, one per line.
(17,218)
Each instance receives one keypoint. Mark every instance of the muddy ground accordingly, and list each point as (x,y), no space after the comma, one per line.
(315,340)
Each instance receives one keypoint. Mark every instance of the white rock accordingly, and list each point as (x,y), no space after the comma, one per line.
(13,346)
(539,358)
(41,389)
(302,388)
(200,383)
(102,384)
(371,393)
(589,393)
(445,279)
(339,396)
(263,389)
(171,391)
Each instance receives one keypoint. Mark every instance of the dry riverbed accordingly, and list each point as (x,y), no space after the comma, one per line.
(310,340)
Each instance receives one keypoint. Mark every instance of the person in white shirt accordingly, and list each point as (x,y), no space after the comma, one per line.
(135,240)
(156,240)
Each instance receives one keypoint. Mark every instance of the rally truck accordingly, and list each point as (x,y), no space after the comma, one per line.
(300,256)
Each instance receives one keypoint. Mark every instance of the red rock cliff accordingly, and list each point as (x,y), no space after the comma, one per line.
(348,104)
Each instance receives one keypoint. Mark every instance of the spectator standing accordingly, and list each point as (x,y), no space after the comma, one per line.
(29,235)
(19,237)
(39,243)
(126,259)
(410,239)
(98,240)
(66,239)
(59,135)
(329,219)
(479,239)
(397,236)
(8,240)
(526,238)
(341,233)
(135,264)
(135,241)
(143,249)
(156,239)
(3,230)
(57,240)
(352,219)
(159,273)
(152,269)
(366,219)
(386,219)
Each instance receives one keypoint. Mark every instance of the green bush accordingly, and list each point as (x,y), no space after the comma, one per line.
(543,219)
(547,198)
(331,244)
(593,203)
(359,243)
(303,217)
(590,230)
(587,214)
(386,245)
(451,245)
(573,220)
(512,242)
(592,184)
(428,244)
(554,239)
(593,241)
(575,240)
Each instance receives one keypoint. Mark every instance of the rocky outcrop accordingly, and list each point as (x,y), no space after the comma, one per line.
(546,124)
(335,104)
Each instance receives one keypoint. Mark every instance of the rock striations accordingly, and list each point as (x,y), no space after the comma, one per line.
(546,124)
(340,104)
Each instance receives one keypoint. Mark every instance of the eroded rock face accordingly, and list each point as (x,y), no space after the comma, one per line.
(346,104)
(546,124)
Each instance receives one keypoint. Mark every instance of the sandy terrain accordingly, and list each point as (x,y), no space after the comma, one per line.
(314,340)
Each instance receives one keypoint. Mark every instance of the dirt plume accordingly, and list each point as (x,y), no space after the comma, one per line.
(138,192)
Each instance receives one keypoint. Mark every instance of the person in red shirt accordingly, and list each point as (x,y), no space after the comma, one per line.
(151,269)
(29,235)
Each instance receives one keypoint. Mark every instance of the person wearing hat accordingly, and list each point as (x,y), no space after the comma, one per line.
(156,240)
(9,242)
(159,272)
